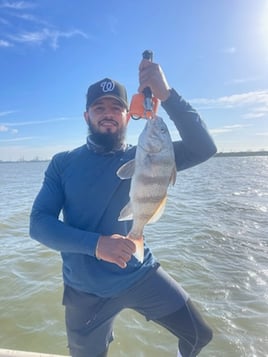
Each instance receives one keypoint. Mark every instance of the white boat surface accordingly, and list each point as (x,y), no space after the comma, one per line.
(14,353)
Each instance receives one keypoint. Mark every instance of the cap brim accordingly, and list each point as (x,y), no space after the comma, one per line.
(113,97)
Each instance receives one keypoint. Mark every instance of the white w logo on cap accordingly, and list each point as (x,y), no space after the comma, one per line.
(107,86)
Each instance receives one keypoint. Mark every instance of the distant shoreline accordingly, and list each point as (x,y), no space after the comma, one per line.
(242,153)
(219,154)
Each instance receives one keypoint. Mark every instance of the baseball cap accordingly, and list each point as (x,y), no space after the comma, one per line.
(107,88)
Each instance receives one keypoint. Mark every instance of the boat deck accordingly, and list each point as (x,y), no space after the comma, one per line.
(13,353)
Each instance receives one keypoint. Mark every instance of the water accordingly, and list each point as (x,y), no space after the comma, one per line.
(212,238)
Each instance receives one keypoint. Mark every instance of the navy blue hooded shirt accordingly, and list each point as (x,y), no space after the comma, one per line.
(83,185)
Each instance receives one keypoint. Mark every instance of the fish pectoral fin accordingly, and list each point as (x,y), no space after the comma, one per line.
(173,176)
(158,212)
(139,254)
(126,213)
(126,171)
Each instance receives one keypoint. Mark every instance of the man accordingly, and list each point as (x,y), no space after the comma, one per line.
(101,274)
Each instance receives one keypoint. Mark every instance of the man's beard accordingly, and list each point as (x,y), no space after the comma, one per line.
(108,141)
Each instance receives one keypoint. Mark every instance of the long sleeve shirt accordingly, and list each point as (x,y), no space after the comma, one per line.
(83,185)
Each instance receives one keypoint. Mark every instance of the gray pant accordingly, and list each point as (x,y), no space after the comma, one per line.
(158,297)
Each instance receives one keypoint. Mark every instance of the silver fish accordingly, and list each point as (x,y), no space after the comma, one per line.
(151,172)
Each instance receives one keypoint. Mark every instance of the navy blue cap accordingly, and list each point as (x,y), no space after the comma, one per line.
(107,88)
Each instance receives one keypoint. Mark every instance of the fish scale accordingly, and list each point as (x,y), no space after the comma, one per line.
(151,172)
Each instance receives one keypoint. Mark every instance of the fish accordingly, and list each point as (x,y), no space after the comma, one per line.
(151,171)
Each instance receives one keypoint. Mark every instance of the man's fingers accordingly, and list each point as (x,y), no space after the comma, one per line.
(115,249)
(121,263)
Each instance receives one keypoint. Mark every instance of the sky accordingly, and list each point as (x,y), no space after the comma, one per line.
(214,53)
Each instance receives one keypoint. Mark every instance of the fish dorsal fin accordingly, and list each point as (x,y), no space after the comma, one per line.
(158,212)
(126,213)
(173,176)
(126,171)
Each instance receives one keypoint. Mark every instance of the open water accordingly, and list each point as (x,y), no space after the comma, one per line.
(213,238)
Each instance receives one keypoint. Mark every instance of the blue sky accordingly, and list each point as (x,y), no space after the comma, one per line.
(214,53)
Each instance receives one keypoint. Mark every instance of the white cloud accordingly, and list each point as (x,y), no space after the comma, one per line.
(37,122)
(45,35)
(254,99)
(228,129)
(254,115)
(262,134)
(4,43)
(3,128)
(219,131)
(42,32)
(16,5)
(26,138)
(7,112)
(30,18)
(242,80)
(11,127)
(235,100)
(236,126)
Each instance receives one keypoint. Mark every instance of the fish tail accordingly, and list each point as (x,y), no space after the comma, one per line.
(139,254)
